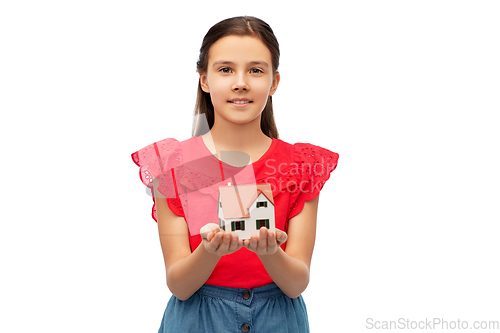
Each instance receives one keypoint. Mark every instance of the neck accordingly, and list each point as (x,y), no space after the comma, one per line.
(238,137)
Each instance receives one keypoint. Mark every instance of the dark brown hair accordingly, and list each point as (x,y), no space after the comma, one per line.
(240,26)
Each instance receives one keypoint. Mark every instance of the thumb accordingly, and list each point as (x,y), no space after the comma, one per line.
(281,236)
(207,228)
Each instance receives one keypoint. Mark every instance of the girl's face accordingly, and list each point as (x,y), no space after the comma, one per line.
(239,78)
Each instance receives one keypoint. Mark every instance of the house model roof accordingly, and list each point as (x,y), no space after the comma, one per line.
(236,200)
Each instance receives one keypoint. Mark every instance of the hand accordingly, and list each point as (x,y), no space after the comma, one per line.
(219,242)
(267,242)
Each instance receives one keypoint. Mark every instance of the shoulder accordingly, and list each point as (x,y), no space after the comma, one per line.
(153,150)
(311,168)
(303,153)
(156,159)
(169,149)
(295,166)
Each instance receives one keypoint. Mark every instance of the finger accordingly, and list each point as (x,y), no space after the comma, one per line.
(262,245)
(216,239)
(272,242)
(246,243)
(224,245)
(271,238)
(213,244)
(233,246)
(239,243)
(252,244)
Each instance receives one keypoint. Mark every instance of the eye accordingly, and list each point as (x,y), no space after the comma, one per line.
(225,70)
(256,71)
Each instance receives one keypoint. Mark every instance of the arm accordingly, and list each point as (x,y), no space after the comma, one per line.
(186,272)
(289,269)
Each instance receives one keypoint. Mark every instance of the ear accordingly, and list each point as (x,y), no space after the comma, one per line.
(275,83)
(204,83)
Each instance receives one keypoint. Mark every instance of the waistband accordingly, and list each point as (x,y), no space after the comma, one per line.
(240,294)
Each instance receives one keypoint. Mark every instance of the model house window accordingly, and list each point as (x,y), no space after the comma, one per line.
(262,204)
(262,223)
(222,224)
(238,225)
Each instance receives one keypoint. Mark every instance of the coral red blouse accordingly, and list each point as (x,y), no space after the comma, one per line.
(189,176)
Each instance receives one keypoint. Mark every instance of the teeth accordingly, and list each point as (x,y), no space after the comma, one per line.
(240,102)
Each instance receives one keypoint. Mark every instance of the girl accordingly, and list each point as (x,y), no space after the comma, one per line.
(219,282)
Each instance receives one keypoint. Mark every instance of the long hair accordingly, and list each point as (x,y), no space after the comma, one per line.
(239,26)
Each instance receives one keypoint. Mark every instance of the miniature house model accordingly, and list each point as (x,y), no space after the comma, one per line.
(244,209)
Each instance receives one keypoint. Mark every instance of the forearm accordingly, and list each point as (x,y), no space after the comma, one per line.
(187,275)
(291,275)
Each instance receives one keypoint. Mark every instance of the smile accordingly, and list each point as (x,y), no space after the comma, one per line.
(240,102)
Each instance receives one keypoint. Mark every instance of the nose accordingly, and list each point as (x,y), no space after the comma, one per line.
(240,84)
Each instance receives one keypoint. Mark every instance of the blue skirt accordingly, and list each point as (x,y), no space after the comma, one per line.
(226,310)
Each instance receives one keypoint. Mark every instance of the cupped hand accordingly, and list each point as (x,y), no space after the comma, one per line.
(266,242)
(219,242)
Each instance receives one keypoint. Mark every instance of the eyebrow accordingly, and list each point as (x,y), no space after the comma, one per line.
(225,62)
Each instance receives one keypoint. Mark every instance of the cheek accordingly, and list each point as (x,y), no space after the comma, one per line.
(218,91)
(261,90)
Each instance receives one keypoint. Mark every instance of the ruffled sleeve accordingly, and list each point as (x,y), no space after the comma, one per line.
(314,166)
(159,160)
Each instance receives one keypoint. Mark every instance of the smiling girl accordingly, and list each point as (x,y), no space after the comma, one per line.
(219,282)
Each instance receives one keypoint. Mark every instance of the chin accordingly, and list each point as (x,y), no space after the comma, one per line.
(241,120)
(239,117)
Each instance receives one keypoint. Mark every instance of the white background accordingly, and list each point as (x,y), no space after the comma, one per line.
(407,92)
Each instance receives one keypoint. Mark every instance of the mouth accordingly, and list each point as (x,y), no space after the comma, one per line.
(240,101)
